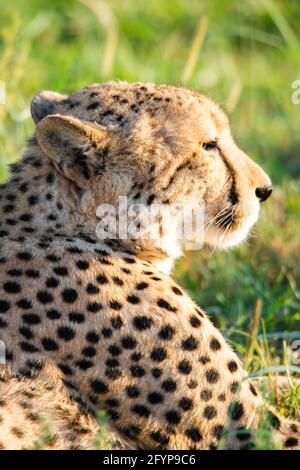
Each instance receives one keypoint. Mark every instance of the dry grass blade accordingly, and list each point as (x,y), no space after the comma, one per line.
(195,49)
(254,329)
(107,19)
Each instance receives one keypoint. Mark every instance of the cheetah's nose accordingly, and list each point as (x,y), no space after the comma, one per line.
(263,193)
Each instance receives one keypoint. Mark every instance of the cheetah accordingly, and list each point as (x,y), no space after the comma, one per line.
(98,323)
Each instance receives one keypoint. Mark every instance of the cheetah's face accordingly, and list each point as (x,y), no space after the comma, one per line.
(153,144)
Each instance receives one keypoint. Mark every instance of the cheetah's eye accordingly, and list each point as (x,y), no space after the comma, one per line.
(212,145)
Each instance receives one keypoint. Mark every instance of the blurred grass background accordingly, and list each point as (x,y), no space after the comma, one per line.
(245,55)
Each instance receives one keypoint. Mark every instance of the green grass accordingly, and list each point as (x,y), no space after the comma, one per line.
(245,55)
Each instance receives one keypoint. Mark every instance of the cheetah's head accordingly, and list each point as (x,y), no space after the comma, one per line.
(154,144)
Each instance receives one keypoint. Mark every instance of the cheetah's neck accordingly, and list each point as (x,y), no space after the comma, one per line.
(39,203)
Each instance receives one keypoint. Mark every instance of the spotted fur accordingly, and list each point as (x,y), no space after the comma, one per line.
(103,322)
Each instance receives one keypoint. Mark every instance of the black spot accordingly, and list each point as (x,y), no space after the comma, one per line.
(184,367)
(137,371)
(199,312)
(112,373)
(8,208)
(99,387)
(29,347)
(76,317)
(92,337)
(185,404)
(212,376)
(206,395)
(294,427)
(195,322)
(89,351)
(291,442)
(169,385)
(234,387)
(164,304)
(236,411)
(232,366)
(136,356)
(242,434)
(215,344)
(115,305)
(252,389)
(158,354)
(4,306)
(114,350)
(49,344)
(132,391)
(66,370)
(218,431)
(65,333)
(107,332)
(133,299)
(176,290)
(117,281)
(26,332)
(166,333)
(31,319)
(33,200)
(129,260)
(53,314)
(93,106)
(117,322)
(60,271)
(160,438)
(101,279)
(53,258)
(209,412)
(142,322)
(69,295)
(141,410)
(173,417)
(14,272)
(44,297)
(204,360)
(190,344)
(156,372)
(150,199)
(84,364)
(112,402)
(128,342)
(92,289)
(94,307)
(142,285)
(12,287)
(193,434)
(130,431)
(52,283)
(32,273)
(3,323)
(155,398)
(274,421)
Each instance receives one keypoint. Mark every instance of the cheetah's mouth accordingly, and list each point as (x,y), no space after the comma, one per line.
(230,226)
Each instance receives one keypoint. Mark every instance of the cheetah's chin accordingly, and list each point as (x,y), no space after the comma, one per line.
(229,239)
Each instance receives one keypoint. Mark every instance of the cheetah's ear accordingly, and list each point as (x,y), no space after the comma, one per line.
(45,103)
(77,149)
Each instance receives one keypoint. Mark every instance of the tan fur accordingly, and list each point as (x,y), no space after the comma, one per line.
(105,316)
